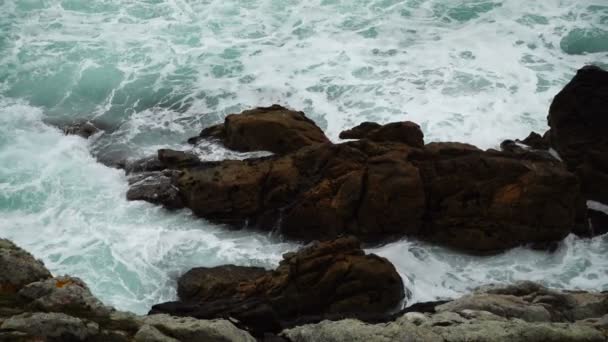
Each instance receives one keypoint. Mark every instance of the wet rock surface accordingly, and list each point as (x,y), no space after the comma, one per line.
(326,278)
(275,129)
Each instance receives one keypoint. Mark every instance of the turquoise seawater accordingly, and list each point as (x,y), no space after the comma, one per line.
(154,72)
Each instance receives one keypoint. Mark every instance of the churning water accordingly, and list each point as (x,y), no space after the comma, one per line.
(154,72)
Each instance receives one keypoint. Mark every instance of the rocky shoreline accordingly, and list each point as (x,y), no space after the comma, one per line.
(385,183)
(35,306)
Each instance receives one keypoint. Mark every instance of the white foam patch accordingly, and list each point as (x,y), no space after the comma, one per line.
(433,272)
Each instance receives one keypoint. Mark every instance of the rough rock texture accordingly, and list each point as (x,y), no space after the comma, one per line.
(521,312)
(18,268)
(578,118)
(188,329)
(327,278)
(405,132)
(53,325)
(203,283)
(275,129)
(455,194)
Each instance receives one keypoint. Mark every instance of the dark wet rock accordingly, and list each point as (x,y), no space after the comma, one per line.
(203,283)
(334,277)
(452,193)
(537,141)
(275,129)
(578,118)
(84,129)
(405,132)
(360,131)
(18,268)
(172,159)
(156,187)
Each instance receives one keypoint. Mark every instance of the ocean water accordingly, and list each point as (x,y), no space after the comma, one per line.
(154,72)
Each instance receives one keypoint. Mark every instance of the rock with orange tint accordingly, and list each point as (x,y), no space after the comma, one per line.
(18,268)
(63,294)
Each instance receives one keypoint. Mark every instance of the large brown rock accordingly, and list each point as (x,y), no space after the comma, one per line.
(326,278)
(275,129)
(455,194)
(578,118)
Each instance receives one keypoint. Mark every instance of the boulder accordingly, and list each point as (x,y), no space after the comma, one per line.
(18,268)
(578,118)
(405,132)
(324,278)
(275,129)
(203,283)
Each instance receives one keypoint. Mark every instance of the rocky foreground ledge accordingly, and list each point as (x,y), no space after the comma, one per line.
(387,183)
(333,279)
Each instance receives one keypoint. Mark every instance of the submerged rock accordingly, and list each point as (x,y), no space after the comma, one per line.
(326,278)
(84,129)
(275,129)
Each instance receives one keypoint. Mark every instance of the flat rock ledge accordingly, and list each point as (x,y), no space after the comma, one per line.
(58,309)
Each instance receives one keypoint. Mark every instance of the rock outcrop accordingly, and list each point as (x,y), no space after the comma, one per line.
(379,189)
(521,312)
(333,278)
(275,129)
(405,132)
